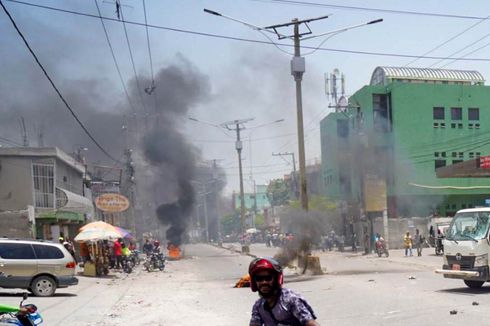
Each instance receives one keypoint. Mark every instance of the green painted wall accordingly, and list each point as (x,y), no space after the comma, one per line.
(406,153)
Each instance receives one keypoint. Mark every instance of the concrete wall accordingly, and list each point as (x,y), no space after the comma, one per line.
(15,224)
(15,183)
(399,226)
(68,178)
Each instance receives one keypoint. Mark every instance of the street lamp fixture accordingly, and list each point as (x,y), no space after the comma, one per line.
(297,70)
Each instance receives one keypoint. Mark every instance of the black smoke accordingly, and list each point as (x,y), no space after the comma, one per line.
(179,88)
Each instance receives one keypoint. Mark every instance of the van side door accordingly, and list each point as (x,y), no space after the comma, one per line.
(18,264)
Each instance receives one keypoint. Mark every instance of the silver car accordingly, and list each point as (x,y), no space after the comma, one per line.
(40,267)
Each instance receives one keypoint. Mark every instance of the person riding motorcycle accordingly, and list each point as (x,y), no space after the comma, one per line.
(156,247)
(277,305)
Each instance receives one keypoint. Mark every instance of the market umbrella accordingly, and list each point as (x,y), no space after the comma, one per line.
(124,233)
(97,225)
(98,231)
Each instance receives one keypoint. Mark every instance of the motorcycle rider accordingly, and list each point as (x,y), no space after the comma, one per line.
(156,247)
(147,247)
(277,305)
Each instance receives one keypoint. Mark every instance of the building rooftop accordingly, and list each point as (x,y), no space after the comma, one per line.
(42,152)
(385,75)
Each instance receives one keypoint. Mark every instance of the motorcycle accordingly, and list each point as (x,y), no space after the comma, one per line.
(127,264)
(155,261)
(135,257)
(381,248)
(24,315)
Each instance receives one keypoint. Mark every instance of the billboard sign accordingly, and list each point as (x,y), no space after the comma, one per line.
(485,162)
(112,203)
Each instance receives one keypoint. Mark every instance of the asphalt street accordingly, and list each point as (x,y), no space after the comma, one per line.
(198,290)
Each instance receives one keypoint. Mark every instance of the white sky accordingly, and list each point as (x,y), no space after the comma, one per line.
(248,80)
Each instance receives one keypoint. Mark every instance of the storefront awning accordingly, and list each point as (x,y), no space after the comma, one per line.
(68,201)
(56,216)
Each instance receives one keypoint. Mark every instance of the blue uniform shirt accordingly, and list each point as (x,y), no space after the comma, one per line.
(290,309)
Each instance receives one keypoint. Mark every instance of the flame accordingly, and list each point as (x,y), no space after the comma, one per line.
(174,252)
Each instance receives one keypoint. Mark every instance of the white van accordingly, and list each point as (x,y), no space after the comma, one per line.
(466,247)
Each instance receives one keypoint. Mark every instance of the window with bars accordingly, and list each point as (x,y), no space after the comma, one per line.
(43,177)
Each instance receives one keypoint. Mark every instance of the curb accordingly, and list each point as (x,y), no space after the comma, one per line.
(232,249)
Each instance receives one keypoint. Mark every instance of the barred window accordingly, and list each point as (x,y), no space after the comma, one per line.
(43,177)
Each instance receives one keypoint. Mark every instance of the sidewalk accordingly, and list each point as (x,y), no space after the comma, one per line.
(350,262)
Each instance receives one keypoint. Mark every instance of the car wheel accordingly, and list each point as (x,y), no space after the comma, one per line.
(473,284)
(43,286)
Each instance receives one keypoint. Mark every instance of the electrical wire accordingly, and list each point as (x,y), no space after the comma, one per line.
(467,54)
(448,40)
(460,50)
(132,60)
(54,86)
(387,11)
(114,59)
(232,38)
(148,42)
(12,142)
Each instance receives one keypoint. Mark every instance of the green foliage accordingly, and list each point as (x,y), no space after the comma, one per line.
(278,192)
(230,223)
(259,220)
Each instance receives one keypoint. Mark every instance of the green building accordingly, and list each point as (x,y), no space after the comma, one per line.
(380,152)
(257,200)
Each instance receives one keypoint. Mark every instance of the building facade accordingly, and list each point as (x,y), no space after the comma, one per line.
(382,151)
(46,185)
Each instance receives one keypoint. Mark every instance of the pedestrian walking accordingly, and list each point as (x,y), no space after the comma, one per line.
(118,252)
(418,241)
(366,243)
(407,243)
(277,305)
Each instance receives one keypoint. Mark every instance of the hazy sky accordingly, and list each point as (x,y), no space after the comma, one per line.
(245,80)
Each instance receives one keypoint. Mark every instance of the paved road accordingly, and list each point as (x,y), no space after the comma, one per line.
(357,290)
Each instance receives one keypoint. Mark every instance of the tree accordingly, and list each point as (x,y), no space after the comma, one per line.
(230,223)
(278,192)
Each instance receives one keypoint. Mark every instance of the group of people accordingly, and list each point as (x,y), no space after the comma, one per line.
(150,247)
(416,241)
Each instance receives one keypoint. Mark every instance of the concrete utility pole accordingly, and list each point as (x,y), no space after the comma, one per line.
(295,181)
(297,70)
(239,146)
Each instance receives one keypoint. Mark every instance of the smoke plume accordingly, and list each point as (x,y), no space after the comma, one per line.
(179,87)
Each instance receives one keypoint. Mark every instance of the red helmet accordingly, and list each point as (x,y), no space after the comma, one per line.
(156,243)
(267,264)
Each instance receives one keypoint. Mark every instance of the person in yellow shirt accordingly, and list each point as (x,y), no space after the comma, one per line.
(407,243)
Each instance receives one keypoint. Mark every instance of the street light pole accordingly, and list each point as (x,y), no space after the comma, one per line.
(239,147)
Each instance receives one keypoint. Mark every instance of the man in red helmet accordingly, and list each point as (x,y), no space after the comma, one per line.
(277,305)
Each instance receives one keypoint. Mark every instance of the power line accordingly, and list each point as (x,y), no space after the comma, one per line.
(456,52)
(114,58)
(132,60)
(467,54)
(232,38)
(387,11)
(448,40)
(54,86)
(9,141)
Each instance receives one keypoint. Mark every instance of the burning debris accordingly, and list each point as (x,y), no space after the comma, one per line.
(174,252)
(306,230)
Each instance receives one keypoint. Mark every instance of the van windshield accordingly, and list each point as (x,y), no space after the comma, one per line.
(469,226)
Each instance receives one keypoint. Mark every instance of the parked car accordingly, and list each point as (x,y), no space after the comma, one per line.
(40,267)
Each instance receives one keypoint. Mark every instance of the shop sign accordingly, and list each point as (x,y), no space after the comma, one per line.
(112,203)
